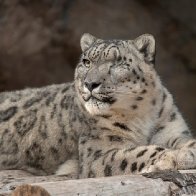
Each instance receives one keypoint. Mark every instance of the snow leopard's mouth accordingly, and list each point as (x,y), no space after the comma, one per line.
(109,100)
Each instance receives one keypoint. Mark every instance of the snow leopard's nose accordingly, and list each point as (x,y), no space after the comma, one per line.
(92,85)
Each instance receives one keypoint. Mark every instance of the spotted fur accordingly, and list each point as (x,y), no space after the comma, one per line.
(115,118)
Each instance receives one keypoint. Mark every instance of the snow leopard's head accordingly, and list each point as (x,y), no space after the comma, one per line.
(114,74)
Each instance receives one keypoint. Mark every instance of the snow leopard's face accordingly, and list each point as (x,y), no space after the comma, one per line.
(112,73)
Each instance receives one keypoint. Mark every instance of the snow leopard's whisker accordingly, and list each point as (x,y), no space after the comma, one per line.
(123,93)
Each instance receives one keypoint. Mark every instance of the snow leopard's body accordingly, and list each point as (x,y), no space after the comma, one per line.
(115,118)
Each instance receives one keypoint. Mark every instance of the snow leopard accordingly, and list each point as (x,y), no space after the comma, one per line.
(115,118)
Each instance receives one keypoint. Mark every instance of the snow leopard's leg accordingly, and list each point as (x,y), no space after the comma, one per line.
(183,158)
(185,153)
(69,168)
(114,155)
(173,133)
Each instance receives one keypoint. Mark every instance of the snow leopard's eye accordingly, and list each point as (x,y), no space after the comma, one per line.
(86,62)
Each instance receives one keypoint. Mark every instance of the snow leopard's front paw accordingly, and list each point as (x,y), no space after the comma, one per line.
(186,158)
(167,160)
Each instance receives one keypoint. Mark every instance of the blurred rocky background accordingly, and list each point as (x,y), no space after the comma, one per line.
(39,40)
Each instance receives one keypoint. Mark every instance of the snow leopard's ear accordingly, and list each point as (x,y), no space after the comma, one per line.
(86,41)
(146,45)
